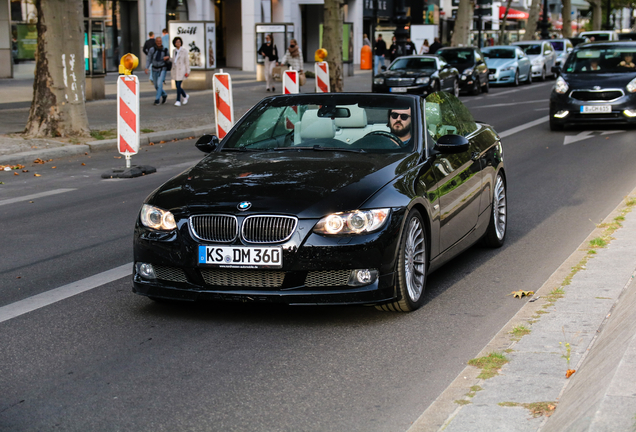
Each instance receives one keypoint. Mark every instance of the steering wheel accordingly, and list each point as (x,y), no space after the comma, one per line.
(388,135)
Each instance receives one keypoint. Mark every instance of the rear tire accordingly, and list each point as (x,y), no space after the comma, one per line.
(543,74)
(496,232)
(410,275)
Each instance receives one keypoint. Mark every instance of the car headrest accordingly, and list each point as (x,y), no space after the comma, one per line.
(358,118)
(312,126)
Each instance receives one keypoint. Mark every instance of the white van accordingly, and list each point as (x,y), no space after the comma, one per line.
(600,35)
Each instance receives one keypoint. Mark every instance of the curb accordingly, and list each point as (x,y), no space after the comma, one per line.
(103,145)
(442,411)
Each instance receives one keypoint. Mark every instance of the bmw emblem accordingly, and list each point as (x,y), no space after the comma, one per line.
(245,205)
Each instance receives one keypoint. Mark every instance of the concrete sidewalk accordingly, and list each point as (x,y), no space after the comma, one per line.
(158,123)
(587,325)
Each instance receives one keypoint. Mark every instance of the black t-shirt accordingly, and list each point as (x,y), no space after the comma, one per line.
(380,47)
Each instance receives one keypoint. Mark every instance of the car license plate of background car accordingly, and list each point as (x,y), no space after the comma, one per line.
(397,89)
(595,109)
(241,256)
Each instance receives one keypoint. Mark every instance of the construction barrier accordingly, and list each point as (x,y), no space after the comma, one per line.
(290,82)
(128,116)
(223,103)
(322,77)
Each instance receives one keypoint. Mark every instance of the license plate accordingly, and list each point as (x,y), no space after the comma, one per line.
(491,77)
(594,109)
(397,89)
(241,256)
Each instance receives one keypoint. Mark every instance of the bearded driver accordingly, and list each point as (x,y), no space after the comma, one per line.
(400,124)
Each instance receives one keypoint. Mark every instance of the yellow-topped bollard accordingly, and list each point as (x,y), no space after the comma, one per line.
(321,55)
(127,64)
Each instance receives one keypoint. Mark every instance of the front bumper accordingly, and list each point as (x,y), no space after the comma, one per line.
(315,268)
(559,103)
(502,77)
(466,83)
(537,70)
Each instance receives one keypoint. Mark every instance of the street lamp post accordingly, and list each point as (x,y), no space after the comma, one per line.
(401,33)
(545,25)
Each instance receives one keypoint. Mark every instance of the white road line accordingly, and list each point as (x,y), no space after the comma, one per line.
(511,104)
(523,127)
(34,196)
(55,295)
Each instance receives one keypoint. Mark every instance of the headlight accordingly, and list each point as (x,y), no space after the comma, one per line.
(561,86)
(355,222)
(631,87)
(421,80)
(378,81)
(508,68)
(468,71)
(156,218)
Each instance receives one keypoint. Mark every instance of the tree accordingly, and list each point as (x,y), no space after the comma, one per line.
(463,24)
(567,18)
(332,42)
(58,109)
(533,19)
(597,13)
(502,25)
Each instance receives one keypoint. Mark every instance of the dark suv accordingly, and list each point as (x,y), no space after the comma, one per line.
(471,66)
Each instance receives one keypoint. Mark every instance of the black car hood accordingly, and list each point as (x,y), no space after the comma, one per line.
(405,73)
(308,184)
(602,80)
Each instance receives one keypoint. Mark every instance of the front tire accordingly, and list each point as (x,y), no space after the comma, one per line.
(496,232)
(410,276)
(516,82)
(543,74)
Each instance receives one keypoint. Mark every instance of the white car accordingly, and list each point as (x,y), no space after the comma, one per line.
(563,48)
(541,55)
(600,35)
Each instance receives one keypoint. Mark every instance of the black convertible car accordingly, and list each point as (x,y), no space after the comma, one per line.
(420,75)
(597,84)
(328,198)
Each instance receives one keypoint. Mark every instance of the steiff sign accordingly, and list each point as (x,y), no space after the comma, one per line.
(199,38)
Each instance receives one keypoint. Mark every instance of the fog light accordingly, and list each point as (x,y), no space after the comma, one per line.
(146,271)
(562,114)
(362,277)
(630,113)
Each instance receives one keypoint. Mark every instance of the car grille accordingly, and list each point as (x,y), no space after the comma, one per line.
(268,229)
(601,95)
(327,278)
(171,274)
(243,278)
(214,228)
(492,71)
(399,82)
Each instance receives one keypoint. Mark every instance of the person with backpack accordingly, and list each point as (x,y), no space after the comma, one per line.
(159,59)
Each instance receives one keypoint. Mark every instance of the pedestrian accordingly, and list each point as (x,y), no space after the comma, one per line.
(150,43)
(366,41)
(425,48)
(294,58)
(410,47)
(435,46)
(379,53)
(165,38)
(180,68)
(393,49)
(270,52)
(157,57)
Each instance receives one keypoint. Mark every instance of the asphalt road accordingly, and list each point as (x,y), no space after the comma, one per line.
(108,360)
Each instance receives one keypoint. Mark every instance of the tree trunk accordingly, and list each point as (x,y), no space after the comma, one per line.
(463,24)
(58,109)
(332,42)
(533,19)
(502,26)
(597,14)
(567,18)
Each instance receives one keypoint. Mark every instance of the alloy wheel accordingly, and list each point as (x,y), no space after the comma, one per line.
(415,259)
(500,208)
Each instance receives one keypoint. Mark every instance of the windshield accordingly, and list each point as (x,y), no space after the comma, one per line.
(326,123)
(423,64)
(502,53)
(534,49)
(456,57)
(602,60)
(597,36)
(558,45)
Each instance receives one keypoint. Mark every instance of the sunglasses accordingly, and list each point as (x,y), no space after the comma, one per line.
(402,117)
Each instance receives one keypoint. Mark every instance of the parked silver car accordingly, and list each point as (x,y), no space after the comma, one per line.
(507,65)
(542,56)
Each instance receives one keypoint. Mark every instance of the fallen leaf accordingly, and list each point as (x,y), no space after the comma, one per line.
(53,167)
(85,154)
(151,143)
(162,142)
(569,373)
(39,161)
(521,293)
(15,173)
(83,164)
(37,175)
(25,170)
(18,277)
(50,160)
(117,157)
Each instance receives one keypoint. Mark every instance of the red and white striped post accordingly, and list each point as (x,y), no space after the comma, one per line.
(128,116)
(223,103)
(322,77)
(290,82)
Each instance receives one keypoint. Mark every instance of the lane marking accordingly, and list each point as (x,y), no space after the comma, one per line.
(569,139)
(34,196)
(511,104)
(523,127)
(38,301)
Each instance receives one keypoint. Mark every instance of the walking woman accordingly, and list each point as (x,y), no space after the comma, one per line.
(180,68)
(294,57)
(269,51)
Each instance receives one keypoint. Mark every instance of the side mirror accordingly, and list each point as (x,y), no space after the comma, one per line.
(556,70)
(451,144)
(207,143)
